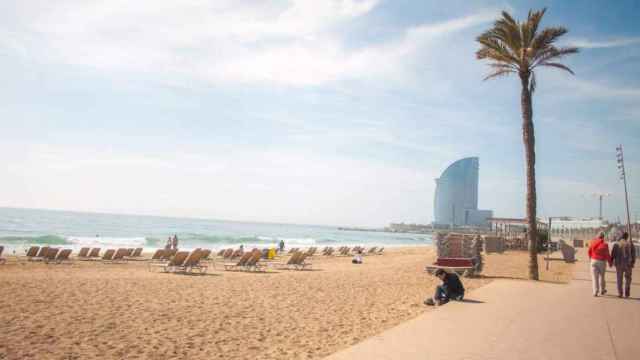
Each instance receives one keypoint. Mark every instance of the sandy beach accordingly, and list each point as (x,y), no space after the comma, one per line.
(90,310)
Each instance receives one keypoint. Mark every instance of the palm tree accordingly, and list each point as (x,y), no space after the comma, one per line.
(519,48)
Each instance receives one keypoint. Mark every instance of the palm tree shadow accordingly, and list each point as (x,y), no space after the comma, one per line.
(519,279)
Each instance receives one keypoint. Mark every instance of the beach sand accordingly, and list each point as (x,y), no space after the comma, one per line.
(90,310)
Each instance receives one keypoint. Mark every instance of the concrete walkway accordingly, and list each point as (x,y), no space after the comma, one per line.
(510,319)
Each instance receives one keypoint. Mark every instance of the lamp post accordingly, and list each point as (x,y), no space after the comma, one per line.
(623,177)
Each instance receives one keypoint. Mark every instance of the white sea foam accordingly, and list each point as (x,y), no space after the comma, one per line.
(105,241)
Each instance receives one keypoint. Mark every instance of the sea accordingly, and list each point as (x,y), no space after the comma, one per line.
(21,228)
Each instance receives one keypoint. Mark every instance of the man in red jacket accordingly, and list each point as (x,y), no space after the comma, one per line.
(599,255)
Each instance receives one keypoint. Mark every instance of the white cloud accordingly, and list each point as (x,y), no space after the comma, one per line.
(294,44)
(610,43)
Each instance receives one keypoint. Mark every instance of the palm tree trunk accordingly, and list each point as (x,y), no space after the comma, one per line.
(528,138)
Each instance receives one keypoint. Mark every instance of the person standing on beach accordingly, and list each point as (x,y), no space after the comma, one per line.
(169,243)
(281,245)
(623,256)
(174,242)
(599,255)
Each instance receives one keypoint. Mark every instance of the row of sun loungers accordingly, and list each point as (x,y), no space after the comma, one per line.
(181,261)
(175,261)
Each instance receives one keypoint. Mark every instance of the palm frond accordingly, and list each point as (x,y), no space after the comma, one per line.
(551,52)
(559,66)
(502,72)
(519,48)
(546,38)
(502,65)
(533,22)
(497,47)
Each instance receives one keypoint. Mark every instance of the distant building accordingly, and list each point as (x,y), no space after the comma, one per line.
(570,223)
(456,197)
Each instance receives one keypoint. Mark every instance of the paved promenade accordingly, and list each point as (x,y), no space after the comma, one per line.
(511,319)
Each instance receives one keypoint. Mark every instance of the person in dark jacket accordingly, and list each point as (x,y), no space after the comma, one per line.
(623,256)
(451,288)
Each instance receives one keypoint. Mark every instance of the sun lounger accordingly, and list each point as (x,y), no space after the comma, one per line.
(94,254)
(301,263)
(187,265)
(253,263)
(50,254)
(289,262)
(175,263)
(108,255)
(135,254)
(40,253)
(157,256)
(234,266)
(328,251)
(169,254)
(379,252)
(371,251)
(84,253)
(61,257)
(32,252)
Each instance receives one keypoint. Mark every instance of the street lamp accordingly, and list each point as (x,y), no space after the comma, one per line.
(623,177)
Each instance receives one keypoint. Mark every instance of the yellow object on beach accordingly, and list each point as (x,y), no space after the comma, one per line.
(271,254)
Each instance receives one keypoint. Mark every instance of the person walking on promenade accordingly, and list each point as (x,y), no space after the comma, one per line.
(599,255)
(623,256)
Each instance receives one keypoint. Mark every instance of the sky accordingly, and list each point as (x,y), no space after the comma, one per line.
(311,112)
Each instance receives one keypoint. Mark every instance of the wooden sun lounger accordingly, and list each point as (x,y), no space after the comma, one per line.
(379,252)
(135,254)
(84,253)
(95,253)
(301,264)
(62,256)
(175,263)
(108,255)
(40,253)
(234,266)
(253,263)
(32,252)
(185,262)
(50,254)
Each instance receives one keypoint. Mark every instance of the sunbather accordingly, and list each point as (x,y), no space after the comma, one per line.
(451,288)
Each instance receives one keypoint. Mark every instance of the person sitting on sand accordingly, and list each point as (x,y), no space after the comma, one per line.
(451,288)
(623,256)
(599,255)
(357,259)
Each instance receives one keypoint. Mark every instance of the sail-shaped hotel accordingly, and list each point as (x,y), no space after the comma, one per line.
(456,198)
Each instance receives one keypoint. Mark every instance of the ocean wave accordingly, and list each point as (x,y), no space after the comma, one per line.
(44,239)
(106,241)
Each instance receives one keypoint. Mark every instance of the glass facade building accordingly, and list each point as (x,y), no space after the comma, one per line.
(456,197)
